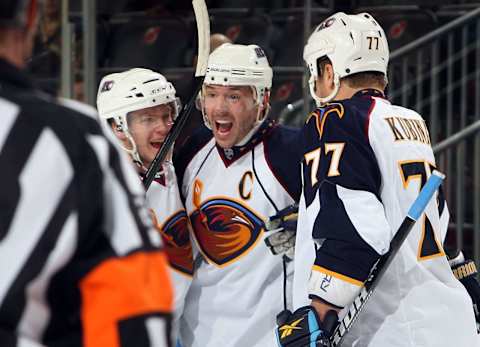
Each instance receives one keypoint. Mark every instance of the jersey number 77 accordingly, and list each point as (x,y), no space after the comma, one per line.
(410,170)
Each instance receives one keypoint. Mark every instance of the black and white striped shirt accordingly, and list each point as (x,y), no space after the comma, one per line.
(80,264)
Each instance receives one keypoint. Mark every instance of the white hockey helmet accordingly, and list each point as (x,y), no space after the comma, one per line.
(353,43)
(132,90)
(240,65)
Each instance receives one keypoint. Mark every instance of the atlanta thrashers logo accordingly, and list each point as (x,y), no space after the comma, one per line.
(225,230)
(176,239)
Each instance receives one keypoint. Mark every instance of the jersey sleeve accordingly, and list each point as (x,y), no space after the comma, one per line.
(285,142)
(173,224)
(444,213)
(344,210)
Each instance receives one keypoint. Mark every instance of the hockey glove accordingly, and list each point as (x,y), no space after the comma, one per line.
(303,328)
(282,228)
(466,272)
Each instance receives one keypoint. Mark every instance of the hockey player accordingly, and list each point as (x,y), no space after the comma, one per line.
(234,173)
(80,263)
(140,106)
(364,163)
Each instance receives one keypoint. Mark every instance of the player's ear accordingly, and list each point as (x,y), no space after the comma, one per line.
(328,73)
(266,97)
(266,100)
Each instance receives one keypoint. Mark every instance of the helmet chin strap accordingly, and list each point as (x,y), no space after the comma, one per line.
(133,152)
(319,101)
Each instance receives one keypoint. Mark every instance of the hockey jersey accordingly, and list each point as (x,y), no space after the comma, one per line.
(170,219)
(364,163)
(237,288)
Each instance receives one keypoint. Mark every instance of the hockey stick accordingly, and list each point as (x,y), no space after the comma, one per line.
(379,269)
(203,28)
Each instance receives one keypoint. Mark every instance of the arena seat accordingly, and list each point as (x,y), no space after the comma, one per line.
(245,29)
(403,24)
(288,41)
(103,7)
(149,43)
(286,88)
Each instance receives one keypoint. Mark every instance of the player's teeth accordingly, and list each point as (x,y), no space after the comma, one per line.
(224,126)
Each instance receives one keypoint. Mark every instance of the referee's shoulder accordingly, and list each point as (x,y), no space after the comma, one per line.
(70,120)
(70,117)
(75,125)
(76,114)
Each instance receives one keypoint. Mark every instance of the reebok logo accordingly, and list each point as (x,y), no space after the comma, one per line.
(327,279)
(287,329)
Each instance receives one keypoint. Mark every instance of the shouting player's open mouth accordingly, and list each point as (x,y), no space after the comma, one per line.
(223,127)
(156,144)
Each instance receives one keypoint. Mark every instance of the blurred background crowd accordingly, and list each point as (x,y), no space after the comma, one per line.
(434,63)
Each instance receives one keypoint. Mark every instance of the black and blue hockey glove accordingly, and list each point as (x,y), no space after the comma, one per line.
(303,328)
(466,272)
(282,228)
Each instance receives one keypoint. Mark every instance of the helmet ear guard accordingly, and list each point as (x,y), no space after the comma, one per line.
(263,106)
(119,127)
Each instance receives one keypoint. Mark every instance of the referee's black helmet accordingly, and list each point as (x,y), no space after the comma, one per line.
(16,13)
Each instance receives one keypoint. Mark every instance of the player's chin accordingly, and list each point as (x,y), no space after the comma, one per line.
(150,154)
(225,140)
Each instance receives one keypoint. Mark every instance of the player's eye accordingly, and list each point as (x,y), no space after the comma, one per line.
(146,119)
(234,97)
(166,116)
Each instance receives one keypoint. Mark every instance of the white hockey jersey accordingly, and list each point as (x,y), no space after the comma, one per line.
(170,219)
(237,288)
(365,161)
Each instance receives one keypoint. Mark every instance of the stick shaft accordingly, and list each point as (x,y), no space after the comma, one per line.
(203,30)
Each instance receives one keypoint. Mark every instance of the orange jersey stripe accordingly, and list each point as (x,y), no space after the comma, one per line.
(337,275)
(122,288)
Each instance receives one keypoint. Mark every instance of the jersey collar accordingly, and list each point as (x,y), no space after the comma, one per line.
(229,155)
(370,92)
(159,178)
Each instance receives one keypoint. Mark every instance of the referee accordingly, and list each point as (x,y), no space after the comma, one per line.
(80,264)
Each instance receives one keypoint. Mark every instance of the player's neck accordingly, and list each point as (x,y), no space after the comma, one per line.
(249,135)
(346,92)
